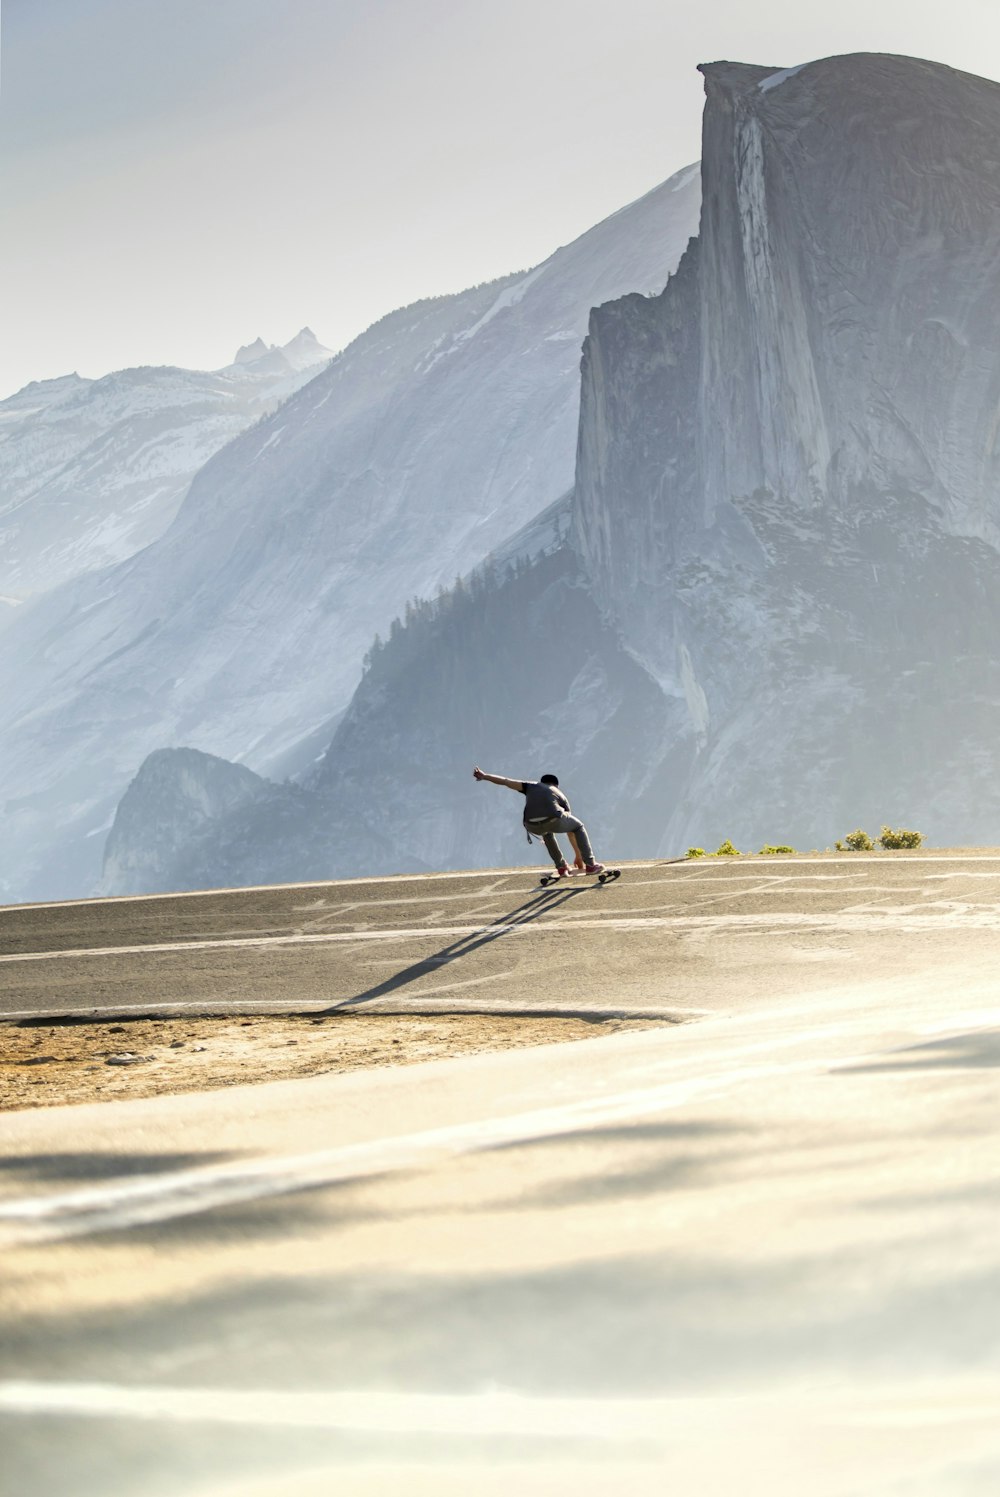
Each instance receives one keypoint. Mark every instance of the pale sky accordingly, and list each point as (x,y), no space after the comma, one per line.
(179,176)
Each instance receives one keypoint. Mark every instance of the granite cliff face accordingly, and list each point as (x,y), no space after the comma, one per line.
(177,796)
(787,490)
(191,820)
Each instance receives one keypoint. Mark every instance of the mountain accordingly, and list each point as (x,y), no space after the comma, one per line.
(93,470)
(305,351)
(251,353)
(435,436)
(189,820)
(777,612)
(175,797)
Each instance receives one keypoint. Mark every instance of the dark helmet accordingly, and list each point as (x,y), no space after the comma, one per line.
(548,779)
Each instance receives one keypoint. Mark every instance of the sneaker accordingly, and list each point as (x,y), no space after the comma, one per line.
(594,868)
(563,871)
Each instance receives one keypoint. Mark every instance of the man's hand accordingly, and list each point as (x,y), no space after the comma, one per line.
(497,779)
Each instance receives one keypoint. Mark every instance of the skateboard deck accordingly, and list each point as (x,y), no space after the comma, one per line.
(604,877)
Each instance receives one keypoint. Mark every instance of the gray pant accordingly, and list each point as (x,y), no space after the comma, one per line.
(547,829)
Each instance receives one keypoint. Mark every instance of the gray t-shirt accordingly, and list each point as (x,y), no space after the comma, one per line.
(542,802)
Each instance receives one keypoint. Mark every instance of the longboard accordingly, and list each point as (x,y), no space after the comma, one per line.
(555,878)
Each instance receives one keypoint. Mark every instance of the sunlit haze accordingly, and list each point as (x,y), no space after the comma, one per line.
(179,178)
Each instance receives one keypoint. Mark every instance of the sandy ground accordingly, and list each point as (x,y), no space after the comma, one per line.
(47,1064)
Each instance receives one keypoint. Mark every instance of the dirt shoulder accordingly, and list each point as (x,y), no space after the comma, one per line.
(50,1063)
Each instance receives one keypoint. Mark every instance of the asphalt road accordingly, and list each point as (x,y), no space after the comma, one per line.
(753,1252)
(668,938)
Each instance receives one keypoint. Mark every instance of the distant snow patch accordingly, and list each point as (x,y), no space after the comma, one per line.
(777,79)
(508,298)
(273,438)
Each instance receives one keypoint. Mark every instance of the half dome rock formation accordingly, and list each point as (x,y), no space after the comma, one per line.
(788,485)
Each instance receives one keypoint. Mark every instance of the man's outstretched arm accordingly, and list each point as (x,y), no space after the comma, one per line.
(498,779)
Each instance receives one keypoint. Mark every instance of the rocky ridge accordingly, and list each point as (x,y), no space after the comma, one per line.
(93,470)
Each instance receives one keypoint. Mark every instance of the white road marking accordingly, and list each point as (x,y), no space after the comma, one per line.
(765,881)
(679,865)
(467,1414)
(950,917)
(497,874)
(958,1401)
(961,1023)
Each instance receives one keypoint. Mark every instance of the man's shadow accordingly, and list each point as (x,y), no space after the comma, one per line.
(464,946)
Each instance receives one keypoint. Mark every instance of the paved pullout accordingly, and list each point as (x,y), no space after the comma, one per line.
(755,1252)
(673,939)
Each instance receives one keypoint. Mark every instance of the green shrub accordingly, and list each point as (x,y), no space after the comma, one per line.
(892,840)
(727,850)
(858,841)
(696,852)
(765,851)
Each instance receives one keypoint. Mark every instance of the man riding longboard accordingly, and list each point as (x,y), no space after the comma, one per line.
(546,812)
